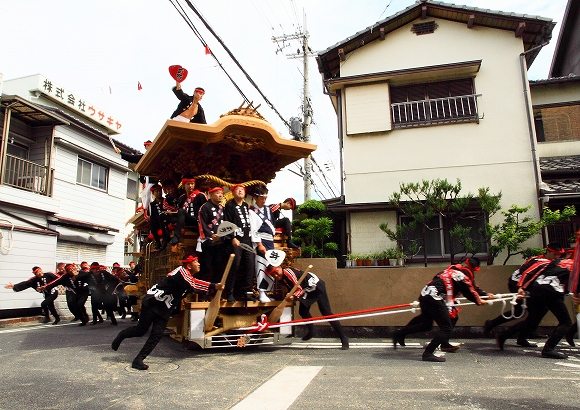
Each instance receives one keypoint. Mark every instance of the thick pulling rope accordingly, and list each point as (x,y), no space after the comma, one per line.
(386,310)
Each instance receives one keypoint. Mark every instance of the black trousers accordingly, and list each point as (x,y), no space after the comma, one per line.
(147,318)
(48,305)
(184,219)
(431,311)
(542,301)
(212,260)
(320,297)
(76,303)
(241,277)
(109,303)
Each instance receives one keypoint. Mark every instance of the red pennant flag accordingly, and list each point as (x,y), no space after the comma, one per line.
(207,50)
(139,86)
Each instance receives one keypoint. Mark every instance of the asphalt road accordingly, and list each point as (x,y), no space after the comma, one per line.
(71,367)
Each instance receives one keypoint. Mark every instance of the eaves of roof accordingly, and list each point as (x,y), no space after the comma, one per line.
(555,80)
(537,30)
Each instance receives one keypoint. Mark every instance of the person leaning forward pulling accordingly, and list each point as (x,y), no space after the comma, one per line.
(159,303)
(189,108)
(314,291)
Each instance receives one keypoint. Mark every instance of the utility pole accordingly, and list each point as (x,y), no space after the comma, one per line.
(302,36)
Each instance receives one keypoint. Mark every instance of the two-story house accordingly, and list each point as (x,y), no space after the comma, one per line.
(63,188)
(436,91)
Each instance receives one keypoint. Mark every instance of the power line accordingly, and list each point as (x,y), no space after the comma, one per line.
(198,35)
(211,30)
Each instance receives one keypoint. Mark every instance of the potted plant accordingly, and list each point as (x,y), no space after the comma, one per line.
(379,256)
(357,258)
(392,256)
(349,260)
(400,257)
(368,259)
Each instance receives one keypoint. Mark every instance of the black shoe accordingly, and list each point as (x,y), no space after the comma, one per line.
(75,319)
(231,299)
(134,317)
(500,340)
(138,364)
(487,328)
(553,354)
(292,245)
(84,323)
(251,298)
(56,320)
(117,342)
(430,357)
(397,338)
(308,336)
(525,343)
(124,315)
(113,321)
(345,344)
(46,320)
(570,335)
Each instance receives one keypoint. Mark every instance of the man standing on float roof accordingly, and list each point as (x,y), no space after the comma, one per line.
(189,108)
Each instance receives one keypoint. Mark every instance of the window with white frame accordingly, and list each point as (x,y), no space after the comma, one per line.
(91,174)
(437,236)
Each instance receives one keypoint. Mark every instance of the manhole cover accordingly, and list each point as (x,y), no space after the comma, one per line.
(155,367)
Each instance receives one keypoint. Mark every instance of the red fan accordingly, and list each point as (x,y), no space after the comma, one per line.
(178,73)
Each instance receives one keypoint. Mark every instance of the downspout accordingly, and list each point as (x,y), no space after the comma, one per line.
(530,115)
(5,135)
(531,128)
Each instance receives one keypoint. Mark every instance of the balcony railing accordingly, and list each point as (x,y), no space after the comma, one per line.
(436,111)
(24,174)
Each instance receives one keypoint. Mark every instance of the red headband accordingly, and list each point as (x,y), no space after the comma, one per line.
(36,270)
(558,251)
(69,266)
(217,188)
(199,90)
(189,259)
(186,180)
(238,186)
(154,188)
(270,269)
(473,269)
(60,265)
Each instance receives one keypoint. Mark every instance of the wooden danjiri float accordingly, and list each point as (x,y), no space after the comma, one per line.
(239,148)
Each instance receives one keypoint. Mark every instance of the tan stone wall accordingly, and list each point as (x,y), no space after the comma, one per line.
(361,288)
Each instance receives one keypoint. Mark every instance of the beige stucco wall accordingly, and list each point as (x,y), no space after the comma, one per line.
(368,238)
(494,153)
(362,288)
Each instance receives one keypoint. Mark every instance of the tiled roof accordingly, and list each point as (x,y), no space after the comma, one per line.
(560,164)
(566,79)
(561,174)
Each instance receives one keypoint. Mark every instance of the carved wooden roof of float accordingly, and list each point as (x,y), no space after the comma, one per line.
(240,146)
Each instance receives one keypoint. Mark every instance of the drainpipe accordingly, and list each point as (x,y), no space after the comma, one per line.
(531,127)
(530,115)
(5,135)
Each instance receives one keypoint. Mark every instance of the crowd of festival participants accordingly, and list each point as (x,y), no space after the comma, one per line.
(542,281)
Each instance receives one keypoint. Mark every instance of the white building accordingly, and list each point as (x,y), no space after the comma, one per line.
(63,188)
(436,91)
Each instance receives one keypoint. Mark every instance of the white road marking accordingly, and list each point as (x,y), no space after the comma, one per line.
(279,392)
(577,366)
(337,345)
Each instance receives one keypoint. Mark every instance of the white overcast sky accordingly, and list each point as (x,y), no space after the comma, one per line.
(99,50)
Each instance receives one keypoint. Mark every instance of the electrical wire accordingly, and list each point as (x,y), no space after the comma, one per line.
(212,31)
(198,35)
